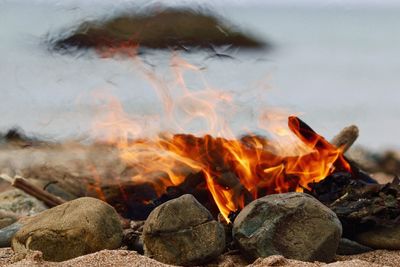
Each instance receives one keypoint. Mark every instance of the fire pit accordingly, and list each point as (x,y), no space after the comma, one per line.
(189,199)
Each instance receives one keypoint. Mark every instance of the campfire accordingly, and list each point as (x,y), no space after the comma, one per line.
(186,198)
(224,172)
(233,172)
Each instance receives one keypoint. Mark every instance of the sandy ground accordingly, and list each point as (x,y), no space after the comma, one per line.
(121,258)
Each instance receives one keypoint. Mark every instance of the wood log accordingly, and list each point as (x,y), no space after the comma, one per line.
(29,188)
(346,138)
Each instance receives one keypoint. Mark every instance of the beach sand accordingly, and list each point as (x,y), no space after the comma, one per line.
(131,258)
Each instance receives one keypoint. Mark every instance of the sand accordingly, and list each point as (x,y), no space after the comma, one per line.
(121,258)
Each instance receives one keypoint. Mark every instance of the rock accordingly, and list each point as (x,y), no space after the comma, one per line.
(182,232)
(165,28)
(367,160)
(7,233)
(390,162)
(137,226)
(349,247)
(294,225)
(7,218)
(20,203)
(380,237)
(76,228)
(133,240)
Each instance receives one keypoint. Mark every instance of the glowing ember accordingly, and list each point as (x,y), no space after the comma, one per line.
(235,171)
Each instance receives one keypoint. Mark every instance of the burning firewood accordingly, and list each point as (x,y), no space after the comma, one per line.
(224,175)
(224,172)
(352,194)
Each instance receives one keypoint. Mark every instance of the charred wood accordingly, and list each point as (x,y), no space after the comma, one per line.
(360,205)
(133,240)
(136,201)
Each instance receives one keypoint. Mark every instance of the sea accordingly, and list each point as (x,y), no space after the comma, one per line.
(332,64)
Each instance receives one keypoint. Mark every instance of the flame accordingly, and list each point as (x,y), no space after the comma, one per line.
(235,171)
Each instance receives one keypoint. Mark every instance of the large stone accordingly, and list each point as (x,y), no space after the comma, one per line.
(183,232)
(380,237)
(294,225)
(78,227)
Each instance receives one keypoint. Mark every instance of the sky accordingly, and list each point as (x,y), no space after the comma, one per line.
(306,2)
(317,3)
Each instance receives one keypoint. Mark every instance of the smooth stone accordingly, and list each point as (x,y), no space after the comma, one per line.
(7,233)
(294,225)
(183,232)
(81,226)
(380,237)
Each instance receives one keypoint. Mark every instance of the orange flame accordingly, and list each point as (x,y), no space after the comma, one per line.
(236,171)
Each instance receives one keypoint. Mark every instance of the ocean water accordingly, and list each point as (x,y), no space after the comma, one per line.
(332,65)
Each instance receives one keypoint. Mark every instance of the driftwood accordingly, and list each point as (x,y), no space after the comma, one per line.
(346,138)
(29,188)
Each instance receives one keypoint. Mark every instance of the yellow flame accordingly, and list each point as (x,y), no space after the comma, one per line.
(261,166)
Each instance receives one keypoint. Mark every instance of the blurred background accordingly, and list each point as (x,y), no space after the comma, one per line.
(333,63)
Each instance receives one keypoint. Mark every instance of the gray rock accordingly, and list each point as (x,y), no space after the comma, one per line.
(20,203)
(380,237)
(76,228)
(294,225)
(7,233)
(7,218)
(183,232)
(349,247)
